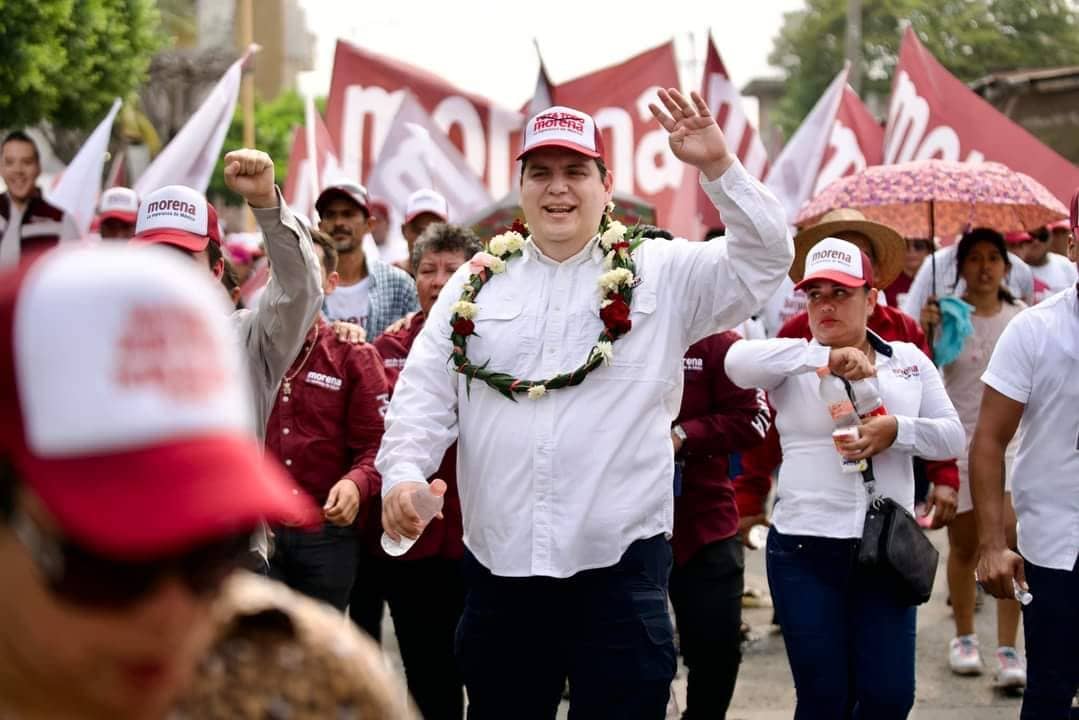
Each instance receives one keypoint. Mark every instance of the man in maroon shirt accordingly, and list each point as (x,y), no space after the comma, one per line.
(424,587)
(717,419)
(886,251)
(325,428)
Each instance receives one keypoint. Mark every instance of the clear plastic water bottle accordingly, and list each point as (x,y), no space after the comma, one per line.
(845,417)
(428,503)
(1024,597)
(757,537)
(867,400)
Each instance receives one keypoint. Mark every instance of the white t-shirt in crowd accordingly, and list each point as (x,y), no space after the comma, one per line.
(1058,273)
(814,496)
(350,303)
(1036,362)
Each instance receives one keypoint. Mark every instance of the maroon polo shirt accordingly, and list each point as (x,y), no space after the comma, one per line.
(719,418)
(891,325)
(441,538)
(331,424)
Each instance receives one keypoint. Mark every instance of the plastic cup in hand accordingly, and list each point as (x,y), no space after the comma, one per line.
(757,537)
(428,503)
(1022,596)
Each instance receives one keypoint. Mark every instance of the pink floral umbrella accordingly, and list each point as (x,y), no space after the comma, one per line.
(940,198)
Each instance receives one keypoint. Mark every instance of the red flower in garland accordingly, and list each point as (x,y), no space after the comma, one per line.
(464,327)
(615,317)
(519,227)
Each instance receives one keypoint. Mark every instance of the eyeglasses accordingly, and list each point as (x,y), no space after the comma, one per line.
(88,579)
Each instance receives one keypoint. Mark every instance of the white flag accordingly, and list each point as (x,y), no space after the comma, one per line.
(794,173)
(80,184)
(417,155)
(190,157)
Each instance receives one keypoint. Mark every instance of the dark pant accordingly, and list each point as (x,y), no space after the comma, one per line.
(426,598)
(850,643)
(320,564)
(1051,628)
(368,598)
(707,596)
(607,630)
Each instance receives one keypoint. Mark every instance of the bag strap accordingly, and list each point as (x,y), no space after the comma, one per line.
(868,477)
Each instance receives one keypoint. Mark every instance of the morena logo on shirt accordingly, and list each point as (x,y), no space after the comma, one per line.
(691,364)
(324,381)
(907,373)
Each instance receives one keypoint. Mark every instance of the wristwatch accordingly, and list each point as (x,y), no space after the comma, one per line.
(679,432)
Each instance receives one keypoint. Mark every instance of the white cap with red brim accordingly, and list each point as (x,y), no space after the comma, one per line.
(837,261)
(563,127)
(426,201)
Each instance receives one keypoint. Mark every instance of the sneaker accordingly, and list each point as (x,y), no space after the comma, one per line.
(1011,670)
(963,656)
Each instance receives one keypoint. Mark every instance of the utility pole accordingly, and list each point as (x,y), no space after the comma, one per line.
(247,91)
(854,43)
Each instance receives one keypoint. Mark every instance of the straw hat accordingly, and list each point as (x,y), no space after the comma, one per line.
(888,246)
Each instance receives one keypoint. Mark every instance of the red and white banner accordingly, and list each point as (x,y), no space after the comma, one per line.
(793,176)
(190,157)
(366,92)
(725,102)
(932,114)
(310,171)
(637,151)
(857,141)
(77,189)
(417,155)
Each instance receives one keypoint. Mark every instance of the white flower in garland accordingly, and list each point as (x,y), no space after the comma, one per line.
(615,233)
(536,392)
(611,280)
(605,350)
(514,241)
(498,246)
(483,260)
(464,309)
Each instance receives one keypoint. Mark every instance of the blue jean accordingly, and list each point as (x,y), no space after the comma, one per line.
(1051,629)
(607,630)
(850,643)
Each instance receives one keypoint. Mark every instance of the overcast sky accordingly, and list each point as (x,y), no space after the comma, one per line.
(485,46)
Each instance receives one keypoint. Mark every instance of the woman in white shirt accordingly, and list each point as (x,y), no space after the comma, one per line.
(982,263)
(850,638)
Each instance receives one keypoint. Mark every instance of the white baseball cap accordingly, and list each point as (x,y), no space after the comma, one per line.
(563,127)
(139,444)
(426,201)
(177,215)
(838,261)
(118,203)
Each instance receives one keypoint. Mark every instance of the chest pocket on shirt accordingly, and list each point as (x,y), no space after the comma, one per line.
(505,336)
(629,351)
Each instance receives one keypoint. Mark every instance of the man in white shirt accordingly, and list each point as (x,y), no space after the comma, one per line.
(1032,378)
(1052,272)
(26,220)
(566,494)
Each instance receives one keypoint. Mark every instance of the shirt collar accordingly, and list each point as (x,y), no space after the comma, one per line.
(875,341)
(590,251)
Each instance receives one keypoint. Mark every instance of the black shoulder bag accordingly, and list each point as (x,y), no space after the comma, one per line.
(894,545)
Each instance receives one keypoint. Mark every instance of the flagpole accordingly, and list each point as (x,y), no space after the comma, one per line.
(312,154)
(247,92)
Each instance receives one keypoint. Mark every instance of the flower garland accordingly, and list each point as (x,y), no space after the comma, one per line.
(616,292)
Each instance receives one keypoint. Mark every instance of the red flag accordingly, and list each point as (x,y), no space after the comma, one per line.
(725,102)
(366,93)
(932,114)
(309,172)
(857,141)
(637,150)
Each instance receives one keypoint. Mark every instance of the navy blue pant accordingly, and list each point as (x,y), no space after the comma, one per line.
(607,630)
(850,643)
(1051,628)
(706,594)
(319,564)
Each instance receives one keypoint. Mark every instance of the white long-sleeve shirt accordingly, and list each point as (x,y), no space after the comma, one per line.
(814,496)
(565,483)
(1019,280)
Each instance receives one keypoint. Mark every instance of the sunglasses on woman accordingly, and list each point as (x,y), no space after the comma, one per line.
(86,578)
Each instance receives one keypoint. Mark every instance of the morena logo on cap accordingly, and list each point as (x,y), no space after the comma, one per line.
(831,254)
(558,121)
(171,206)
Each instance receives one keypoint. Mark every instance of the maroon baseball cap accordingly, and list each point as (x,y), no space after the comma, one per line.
(139,444)
(353,191)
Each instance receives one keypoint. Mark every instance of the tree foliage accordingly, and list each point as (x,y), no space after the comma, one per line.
(64,61)
(972,38)
(274,125)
